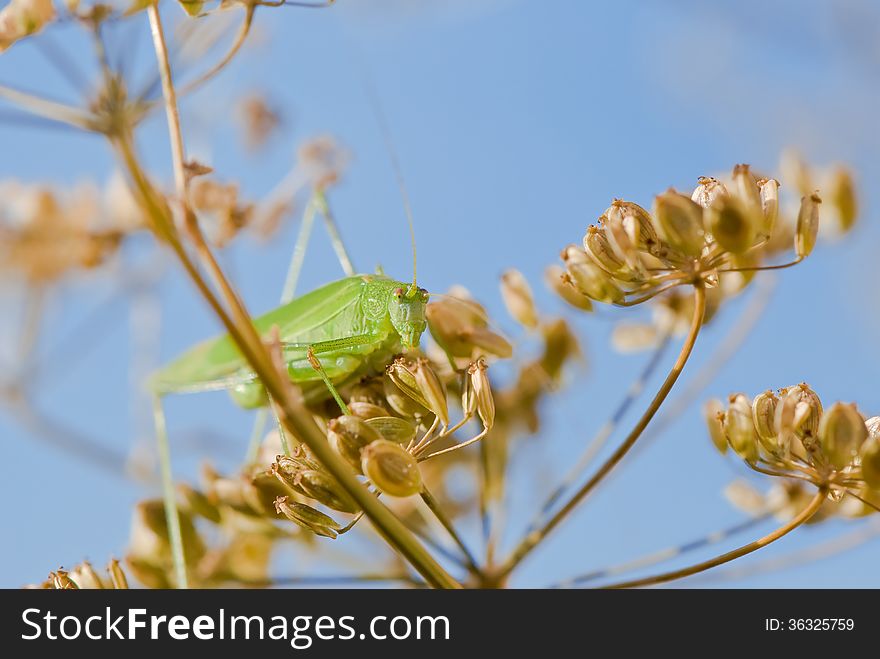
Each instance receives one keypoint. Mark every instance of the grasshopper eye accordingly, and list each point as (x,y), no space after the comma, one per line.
(398,293)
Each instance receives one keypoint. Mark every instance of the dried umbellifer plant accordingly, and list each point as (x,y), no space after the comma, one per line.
(370,422)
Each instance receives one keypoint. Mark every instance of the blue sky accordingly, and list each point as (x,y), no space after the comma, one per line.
(516,123)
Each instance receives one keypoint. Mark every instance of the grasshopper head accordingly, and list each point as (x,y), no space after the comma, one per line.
(407,310)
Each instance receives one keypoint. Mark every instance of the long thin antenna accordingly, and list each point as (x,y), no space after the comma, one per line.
(395,165)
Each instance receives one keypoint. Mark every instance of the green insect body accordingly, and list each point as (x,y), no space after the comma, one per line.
(353,327)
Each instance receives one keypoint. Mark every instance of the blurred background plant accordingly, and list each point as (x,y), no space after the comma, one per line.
(78,263)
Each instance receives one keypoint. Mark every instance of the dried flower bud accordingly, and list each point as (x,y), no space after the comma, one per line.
(325,489)
(307,517)
(485,403)
(349,435)
(679,222)
(841,433)
(393,428)
(843,198)
(449,317)
(432,390)
(740,429)
(713,413)
(391,469)
(732,225)
(517,296)
(764,418)
(769,204)
(249,395)
(117,576)
(560,282)
(365,410)
(708,190)
(807,225)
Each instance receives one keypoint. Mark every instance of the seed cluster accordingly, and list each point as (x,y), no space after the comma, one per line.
(632,255)
(788,434)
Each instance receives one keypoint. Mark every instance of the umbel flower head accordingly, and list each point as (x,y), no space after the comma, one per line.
(789,434)
(632,255)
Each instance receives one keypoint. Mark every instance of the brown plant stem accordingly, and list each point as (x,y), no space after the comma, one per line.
(535,537)
(802,517)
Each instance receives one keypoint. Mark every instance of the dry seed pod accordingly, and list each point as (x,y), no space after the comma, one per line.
(739,428)
(637,222)
(366,411)
(405,380)
(449,318)
(487,341)
(369,391)
(391,469)
(117,576)
(307,517)
(401,403)
(598,248)
(708,190)
(594,282)
(769,204)
(713,413)
(349,435)
(742,495)
(325,489)
(634,337)
(764,418)
(732,225)
(517,296)
(394,429)
(482,391)
(841,434)
(807,225)
(625,248)
(196,503)
(870,454)
(679,222)
(560,282)
(748,191)
(843,198)
(85,577)
(432,389)
(61,580)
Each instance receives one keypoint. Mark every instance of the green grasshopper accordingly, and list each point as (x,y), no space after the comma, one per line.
(330,337)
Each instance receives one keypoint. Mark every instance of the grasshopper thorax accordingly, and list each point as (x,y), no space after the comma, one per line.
(406,307)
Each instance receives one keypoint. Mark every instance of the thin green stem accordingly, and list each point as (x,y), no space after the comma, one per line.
(811,509)
(172,515)
(447,524)
(535,537)
(333,231)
